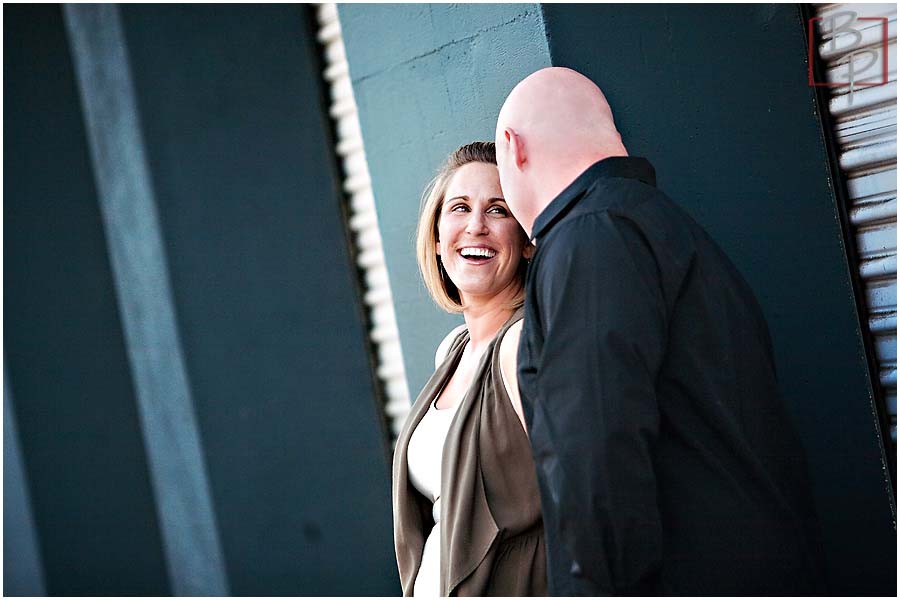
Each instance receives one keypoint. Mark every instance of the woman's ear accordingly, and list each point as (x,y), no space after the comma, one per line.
(437,248)
(528,250)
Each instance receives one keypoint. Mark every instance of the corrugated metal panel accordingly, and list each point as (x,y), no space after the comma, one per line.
(866,131)
(364,220)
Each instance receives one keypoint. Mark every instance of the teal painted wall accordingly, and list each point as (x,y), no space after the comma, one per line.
(427,79)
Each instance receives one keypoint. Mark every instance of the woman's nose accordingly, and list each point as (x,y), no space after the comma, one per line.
(476,224)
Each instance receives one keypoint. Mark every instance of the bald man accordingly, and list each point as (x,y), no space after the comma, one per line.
(666,458)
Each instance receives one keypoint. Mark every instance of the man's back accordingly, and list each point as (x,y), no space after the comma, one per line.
(666,457)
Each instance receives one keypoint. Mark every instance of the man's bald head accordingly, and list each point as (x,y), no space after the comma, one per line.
(554,124)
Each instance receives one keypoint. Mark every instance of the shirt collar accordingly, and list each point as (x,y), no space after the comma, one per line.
(614,166)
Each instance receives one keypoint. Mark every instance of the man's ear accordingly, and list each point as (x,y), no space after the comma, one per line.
(516,147)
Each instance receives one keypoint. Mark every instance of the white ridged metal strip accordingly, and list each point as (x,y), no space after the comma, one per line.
(363,220)
(866,131)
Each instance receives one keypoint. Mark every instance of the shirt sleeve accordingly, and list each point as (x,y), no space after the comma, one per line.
(595,416)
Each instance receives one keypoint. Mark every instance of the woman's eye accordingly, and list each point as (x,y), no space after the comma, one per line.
(498,210)
(459,208)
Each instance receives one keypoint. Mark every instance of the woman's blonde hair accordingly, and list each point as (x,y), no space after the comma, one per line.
(436,280)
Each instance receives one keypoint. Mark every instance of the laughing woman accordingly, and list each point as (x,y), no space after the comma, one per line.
(467,516)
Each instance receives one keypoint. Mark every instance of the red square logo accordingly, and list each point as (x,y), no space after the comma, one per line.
(860,45)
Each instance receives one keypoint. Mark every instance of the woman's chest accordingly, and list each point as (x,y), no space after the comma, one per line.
(459,383)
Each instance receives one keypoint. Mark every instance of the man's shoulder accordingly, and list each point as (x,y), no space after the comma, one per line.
(587,220)
(617,203)
(619,196)
(613,207)
(584,234)
(640,214)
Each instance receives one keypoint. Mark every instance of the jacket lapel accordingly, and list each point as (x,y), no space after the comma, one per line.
(463,497)
(411,509)
(462,491)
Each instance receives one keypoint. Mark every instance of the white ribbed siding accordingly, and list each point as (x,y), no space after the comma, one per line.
(866,132)
(363,219)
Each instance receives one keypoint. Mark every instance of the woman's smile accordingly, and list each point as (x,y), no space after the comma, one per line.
(477,255)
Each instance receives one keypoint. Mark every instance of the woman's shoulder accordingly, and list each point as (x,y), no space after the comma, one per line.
(444,347)
(509,349)
(509,344)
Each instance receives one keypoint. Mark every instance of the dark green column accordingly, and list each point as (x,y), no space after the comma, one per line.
(240,152)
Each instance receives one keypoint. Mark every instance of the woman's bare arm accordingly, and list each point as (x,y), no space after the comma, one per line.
(509,348)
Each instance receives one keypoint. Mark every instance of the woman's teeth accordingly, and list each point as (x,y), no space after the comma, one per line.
(477,253)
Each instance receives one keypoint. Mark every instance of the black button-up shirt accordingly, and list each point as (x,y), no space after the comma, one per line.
(665,456)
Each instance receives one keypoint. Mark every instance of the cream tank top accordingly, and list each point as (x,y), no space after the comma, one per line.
(424,455)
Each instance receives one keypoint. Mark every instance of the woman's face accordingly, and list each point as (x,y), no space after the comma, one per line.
(479,241)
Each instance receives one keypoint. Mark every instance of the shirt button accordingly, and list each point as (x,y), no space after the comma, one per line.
(576,569)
